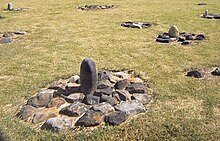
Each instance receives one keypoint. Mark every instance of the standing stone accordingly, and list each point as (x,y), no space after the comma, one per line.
(206,13)
(10,8)
(173,32)
(88,76)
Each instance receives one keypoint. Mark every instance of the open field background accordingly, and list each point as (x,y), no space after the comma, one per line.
(60,37)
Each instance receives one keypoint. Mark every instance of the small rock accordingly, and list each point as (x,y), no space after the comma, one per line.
(173,31)
(90,118)
(194,73)
(122,75)
(181,39)
(41,116)
(111,100)
(42,99)
(21,32)
(88,76)
(100,92)
(201,3)
(104,75)
(200,37)
(216,71)
(103,107)
(122,95)
(143,98)
(90,99)
(189,37)
(121,84)
(161,40)
(74,79)
(26,112)
(57,124)
(136,88)
(56,102)
(6,40)
(75,97)
(186,43)
(116,118)
(131,108)
(74,110)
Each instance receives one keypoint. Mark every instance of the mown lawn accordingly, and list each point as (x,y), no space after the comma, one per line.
(60,37)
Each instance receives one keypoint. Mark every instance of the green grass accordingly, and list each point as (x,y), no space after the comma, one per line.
(60,37)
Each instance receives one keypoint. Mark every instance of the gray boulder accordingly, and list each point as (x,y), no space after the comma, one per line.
(136,88)
(26,112)
(143,98)
(173,32)
(91,99)
(111,100)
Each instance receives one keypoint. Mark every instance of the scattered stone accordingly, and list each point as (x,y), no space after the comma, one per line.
(201,3)
(104,75)
(216,71)
(106,91)
(173,32)
(26,112)
(189,37)
(88,76)
(136,88)
(75,109)
(135,80)
(7,34)
(116,118)
(194,73)
(121,84)
(111,100)
(143,98)
(21,32)
(6,40)
(137,24)
(131,107)
(90,118)
(95,7)
(57,124)
(42,99)
(161,40)
(103,107)
(91,99)
(122,75)
(41,116)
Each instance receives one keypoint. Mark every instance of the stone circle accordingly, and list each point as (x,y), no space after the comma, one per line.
(183,38)
(208,15)
(137,24)
(9,37)
(117,96)
(95,7)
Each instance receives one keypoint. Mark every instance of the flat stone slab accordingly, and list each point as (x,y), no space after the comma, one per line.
(95,7)
(137,24)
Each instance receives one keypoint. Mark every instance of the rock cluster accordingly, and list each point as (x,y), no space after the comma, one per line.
(175,36)
(210,15)
(200,74)
(9,37)
(87,100)
(95,7)
(137,24)
(10,8)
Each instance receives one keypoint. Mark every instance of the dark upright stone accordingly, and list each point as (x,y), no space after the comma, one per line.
(88,77)
(9,6)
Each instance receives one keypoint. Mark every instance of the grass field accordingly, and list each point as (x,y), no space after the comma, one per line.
(60,37)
